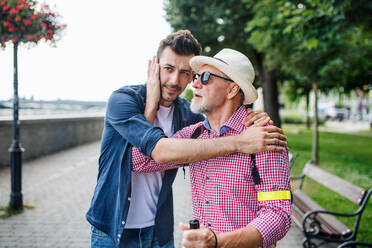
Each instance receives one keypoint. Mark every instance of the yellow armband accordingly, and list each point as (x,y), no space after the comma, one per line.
(274,195)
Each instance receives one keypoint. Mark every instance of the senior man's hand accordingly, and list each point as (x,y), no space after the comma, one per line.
(202,237)
(257,117)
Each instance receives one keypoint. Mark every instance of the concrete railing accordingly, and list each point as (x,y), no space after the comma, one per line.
(44,135)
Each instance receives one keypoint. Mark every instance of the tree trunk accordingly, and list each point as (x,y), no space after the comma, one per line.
(270,88)
(308,122)
(315,131)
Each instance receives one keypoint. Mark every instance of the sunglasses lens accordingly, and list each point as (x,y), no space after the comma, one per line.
(205,77)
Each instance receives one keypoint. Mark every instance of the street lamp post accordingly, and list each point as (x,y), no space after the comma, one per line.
(15,149)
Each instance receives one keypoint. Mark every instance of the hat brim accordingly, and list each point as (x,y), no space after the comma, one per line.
(250,92)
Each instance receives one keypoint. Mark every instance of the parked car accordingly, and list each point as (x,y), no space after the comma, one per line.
(333,113)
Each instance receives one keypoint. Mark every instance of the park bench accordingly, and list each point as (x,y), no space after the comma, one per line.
(291,158)
(316,222)
(353,244)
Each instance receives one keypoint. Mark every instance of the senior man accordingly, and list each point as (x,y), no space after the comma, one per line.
(241,200)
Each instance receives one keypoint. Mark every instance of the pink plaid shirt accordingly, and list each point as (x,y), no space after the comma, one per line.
(224,196)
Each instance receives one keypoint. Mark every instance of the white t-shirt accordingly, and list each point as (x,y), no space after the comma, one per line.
(146,186)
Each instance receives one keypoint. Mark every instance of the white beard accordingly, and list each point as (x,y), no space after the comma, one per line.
(200,108)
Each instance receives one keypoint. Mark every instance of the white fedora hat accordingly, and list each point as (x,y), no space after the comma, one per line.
(235,65)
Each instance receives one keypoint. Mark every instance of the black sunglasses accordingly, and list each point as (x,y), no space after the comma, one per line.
(204,77)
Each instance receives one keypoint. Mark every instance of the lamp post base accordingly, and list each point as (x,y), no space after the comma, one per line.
(16,201)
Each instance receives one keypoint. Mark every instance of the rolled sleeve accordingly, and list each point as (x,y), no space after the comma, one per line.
(273,221)
(274,217)
(144,164)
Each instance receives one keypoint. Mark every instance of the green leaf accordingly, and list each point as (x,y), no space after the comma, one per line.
(312,43)
(288,29)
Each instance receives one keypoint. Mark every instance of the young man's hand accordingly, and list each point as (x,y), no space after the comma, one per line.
(258,118)
(259,139)
(152,89)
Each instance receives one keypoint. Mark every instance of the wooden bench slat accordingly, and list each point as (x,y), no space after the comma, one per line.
(335,183)
(297,215)
(303,203)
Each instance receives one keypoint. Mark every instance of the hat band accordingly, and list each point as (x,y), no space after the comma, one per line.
(220,60)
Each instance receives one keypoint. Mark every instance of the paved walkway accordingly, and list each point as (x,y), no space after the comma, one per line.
(60,187)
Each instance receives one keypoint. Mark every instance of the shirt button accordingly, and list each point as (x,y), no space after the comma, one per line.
(123,222)
(207,178)
(207,202)
(209,224)
(118,235)
(129,198)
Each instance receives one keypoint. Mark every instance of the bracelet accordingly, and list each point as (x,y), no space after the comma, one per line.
(215,237)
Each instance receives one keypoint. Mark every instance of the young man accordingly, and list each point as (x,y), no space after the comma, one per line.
(244,201)
(134,209)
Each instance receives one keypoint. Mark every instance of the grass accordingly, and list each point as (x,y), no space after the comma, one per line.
(6,212)
(347,156)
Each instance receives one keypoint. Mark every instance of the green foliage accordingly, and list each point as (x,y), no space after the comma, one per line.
(347,156)
(216,24)
(6,212)
(188,94)
(313,40)
(298,120)
(292,120)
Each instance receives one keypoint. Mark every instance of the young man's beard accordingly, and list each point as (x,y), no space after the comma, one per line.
(166,97)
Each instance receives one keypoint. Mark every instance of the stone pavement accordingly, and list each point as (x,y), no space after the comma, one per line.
(60,187)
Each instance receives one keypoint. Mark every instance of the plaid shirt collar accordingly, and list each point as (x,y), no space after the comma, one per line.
(234,122)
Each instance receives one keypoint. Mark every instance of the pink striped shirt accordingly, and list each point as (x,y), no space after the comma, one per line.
(224,196)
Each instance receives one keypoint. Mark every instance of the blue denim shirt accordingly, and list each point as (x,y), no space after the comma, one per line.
(125,126)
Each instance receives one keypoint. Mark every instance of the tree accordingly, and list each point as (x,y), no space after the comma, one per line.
(219,24)
(314,40)
(23,21)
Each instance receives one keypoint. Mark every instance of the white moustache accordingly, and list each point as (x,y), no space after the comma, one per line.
(198,93)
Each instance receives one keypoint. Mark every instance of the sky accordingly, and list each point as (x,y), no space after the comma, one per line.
(106,45)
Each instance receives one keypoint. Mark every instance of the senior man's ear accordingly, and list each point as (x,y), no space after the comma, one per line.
(233,91)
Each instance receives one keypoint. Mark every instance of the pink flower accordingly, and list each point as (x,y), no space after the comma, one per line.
(13,11)
(27,22)
(6,7)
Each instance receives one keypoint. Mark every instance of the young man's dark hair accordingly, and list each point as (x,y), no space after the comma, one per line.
(181,42)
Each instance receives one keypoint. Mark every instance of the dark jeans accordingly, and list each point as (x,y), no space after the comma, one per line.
(131,238)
